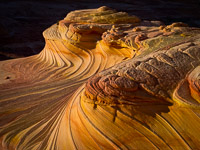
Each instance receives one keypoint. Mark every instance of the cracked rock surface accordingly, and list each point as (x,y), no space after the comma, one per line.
(22,22)
(104,80)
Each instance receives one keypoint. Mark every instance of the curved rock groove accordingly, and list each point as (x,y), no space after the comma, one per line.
(104,80)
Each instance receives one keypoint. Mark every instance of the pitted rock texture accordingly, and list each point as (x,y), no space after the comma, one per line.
(104,80)
(22,22)
(146,79)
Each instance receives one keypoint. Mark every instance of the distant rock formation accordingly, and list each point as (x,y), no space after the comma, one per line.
(104,80)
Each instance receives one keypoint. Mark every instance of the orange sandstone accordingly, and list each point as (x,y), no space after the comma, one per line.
(104,80)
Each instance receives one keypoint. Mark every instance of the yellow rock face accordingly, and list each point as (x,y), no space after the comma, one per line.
(104,80)
(102,15)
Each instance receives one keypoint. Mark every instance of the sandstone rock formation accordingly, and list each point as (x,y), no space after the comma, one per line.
(20,19)
(144,92)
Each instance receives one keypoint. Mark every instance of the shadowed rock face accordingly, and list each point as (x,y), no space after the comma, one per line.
(104,80)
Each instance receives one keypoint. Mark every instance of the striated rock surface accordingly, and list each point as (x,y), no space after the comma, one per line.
(104,80)
(155,73)
(20,19)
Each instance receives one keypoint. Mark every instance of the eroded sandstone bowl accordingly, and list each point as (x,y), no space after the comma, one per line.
(104,80)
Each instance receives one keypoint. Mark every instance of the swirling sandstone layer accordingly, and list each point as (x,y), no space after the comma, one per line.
(149,101)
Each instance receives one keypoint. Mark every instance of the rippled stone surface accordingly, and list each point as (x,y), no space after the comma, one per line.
(105,80)
(20,19)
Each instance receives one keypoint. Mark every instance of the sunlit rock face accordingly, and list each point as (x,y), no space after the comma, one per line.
(104,80)
(153,75)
